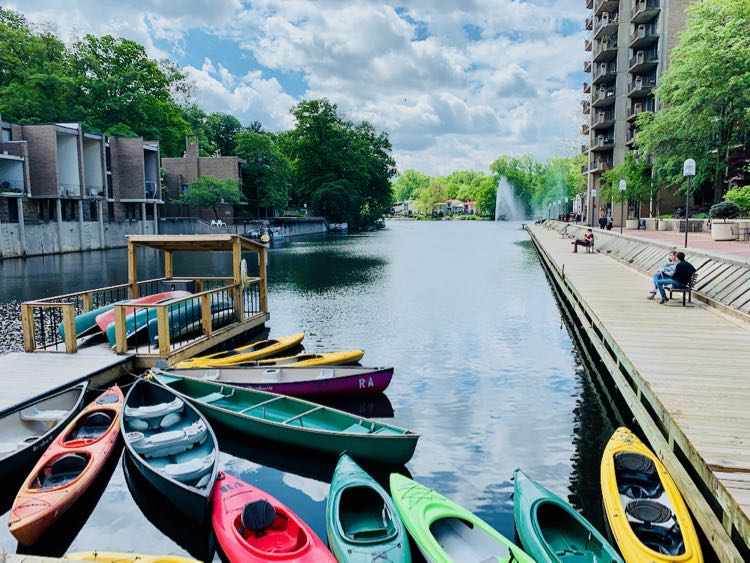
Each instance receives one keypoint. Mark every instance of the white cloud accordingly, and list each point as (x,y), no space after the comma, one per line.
(455,84)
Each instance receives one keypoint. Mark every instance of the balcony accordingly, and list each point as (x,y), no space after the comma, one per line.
(605,6)
(586,87)
(640,107)
(606,26)
(603,97)
(602,144)
(12,186)
(589,4)
(586,107)
(644,36)
(69,190)
(151,189)
(585,128)
(644,11)
(584,168)
(606,50)
(641,86)
(94,191)
(584,149)
(600,165)
(587,66)
(643,61)
(587,45)
(589,24)
(631,136)
(605,73)
(603,120)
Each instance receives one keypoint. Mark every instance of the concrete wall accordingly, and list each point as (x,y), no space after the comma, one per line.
(289,227)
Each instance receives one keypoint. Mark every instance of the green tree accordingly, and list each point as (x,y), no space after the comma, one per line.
(486,195)
(407,183)
(208,191)
(221,129)
(196,118)
(522,172)
(635,172)
(267,173)
(740,197)
(428,197)
(706,94)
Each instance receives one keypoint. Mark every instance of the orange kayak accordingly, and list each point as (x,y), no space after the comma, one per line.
(67,468)
(104,320)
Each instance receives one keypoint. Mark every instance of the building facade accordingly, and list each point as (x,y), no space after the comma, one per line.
(630,42)
(191,166)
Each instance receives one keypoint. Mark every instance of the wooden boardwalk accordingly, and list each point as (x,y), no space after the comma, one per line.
(28,375)
(685,374)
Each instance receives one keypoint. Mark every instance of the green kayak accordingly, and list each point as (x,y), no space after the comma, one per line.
(362,522)
(551,530)
(86,322)
(446,532)
(295,422)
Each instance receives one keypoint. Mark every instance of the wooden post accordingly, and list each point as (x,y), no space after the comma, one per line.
(198,286)
(163,322)
(239,305)
(206,314)
(263,285)
(132,270)
(168,273)
(87,302)
(27,323)
(121,337)
(69,322)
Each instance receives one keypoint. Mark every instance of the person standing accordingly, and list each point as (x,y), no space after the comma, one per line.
(602,218)
(666,271)
(683,273)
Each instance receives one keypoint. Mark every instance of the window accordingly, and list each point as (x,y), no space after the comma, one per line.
(184,189)
(93,211)
(111,211)
(69,209)
(12,209)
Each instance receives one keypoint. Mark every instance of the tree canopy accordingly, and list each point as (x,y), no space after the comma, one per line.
(267,173)
(208,191)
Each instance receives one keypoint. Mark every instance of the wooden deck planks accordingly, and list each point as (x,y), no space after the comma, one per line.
(695,360)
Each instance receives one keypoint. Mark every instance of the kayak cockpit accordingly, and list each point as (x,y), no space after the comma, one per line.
(60,471)
(268,530)
(565,536)
(461,540)
(364,517)
(91,428)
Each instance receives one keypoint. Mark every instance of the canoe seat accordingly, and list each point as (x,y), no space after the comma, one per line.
(356,428)
(388,431)
(211,397)
(152,416)
(34,414)
(191,470)
(168,443)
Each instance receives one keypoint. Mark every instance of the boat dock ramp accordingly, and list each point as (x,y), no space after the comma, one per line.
(683,371)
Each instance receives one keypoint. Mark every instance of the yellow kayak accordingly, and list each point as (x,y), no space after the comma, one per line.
(250,353)
(647,516)
(324,359)
(112,557)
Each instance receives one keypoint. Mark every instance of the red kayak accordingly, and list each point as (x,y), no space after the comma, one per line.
(67,468)
(251,525)
(108,317)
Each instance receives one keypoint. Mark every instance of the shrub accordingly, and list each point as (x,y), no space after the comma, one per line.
(699,216)
(740,197)
(724,210)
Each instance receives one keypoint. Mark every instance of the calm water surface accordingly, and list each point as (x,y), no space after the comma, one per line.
(486,372)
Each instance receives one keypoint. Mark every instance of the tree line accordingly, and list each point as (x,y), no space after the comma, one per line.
(327,163)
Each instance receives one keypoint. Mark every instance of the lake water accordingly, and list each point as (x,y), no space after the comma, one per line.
(486,372)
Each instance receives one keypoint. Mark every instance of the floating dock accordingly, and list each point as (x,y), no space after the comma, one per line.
(683,371)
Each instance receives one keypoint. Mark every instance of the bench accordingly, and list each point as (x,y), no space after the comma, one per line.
(688,289)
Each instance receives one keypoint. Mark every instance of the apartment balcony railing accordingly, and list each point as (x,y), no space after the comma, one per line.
(585,128)
(603,144)
(605,73)
(586,87)
(586,66)
(584,149)
(587,45)
(641,86)
(12,186)
(69,190)
(605,6)
(631,136)
(600,165)
(151,189)
(643,61)
(584,168)
(637,108)
(95,191)
(586,107)
(589,4)
(645,10)
(110,190)
(603,97)
(644,36)
(606,50)
(603,120)
(606,25)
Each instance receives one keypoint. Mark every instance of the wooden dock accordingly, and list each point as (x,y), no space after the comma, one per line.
(684,373)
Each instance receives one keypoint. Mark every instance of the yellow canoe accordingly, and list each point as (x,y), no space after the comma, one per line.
(250,353)
(324,359)
(647,515)
(113,557)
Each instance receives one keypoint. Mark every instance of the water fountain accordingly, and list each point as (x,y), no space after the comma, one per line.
(507,206)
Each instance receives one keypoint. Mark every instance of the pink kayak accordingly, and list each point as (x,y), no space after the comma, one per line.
(108,317)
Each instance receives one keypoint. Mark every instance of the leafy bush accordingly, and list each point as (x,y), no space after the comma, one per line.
(740,197)
(699,216)
(724,210)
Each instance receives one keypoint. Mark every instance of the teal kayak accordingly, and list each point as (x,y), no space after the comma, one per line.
(86,322)
(446,532)
(552,531)
(362,522)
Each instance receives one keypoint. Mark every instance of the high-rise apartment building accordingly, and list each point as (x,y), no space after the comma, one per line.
(630,44)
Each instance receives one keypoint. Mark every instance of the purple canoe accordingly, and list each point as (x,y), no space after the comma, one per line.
(297,381)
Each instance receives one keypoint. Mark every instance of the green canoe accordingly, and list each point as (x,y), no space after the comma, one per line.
(86,322)
(551,530)
(362,523)
(293,421)
(446,532)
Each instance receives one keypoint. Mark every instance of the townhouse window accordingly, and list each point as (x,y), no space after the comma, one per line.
(69,210)
(184,189)
(12,209)
(111,211)
(93,211)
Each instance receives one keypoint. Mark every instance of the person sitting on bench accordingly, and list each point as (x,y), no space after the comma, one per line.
(588,240)
(683,273)
(666,271)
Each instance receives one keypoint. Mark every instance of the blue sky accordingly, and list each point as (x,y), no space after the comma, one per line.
(455,84)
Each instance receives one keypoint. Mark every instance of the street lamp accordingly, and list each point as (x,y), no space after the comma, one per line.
(593,205)
(549,211)
(623,187)
(566,206)
(688,169)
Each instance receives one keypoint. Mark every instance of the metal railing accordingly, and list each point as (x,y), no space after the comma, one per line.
(94,191)
(603,93)
(612,19)
(642,57)
(606,44)
(644,5)
(13,186)
(642,84)
(70,190)
(603,69)
(641,31)
(151,189)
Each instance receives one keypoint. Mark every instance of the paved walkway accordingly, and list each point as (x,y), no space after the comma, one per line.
(694,360)
(697,241)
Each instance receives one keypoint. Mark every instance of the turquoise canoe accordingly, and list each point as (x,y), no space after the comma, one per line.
(294,422)
(86,322)
(362,522)
(446,532)
(552,531)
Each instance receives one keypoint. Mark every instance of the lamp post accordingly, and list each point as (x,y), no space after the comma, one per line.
(593,205)
(566,207)
(549,211)
(623,187)
(688,169)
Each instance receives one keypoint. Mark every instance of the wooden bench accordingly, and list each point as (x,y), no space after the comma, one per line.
(688,289)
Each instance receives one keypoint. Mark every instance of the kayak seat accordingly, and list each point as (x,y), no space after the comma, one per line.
(33,414)
(168,443)
(63,470)
(648,511)
(637,477)
(662,539)
(92,427)
(190,471)
(151,416)
(258,516)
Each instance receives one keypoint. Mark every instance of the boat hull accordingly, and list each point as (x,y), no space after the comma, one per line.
(107,317)
(251,352)
(114,557)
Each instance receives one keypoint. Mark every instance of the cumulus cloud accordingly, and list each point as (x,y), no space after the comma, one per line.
(455,84)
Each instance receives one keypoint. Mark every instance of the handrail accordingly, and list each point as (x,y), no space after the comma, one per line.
(85,291)
(176,300)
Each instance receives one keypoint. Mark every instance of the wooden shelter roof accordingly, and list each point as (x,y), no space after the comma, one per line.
(195,243)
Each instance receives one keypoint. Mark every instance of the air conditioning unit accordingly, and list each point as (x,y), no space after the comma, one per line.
(637,108)
(641,30)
